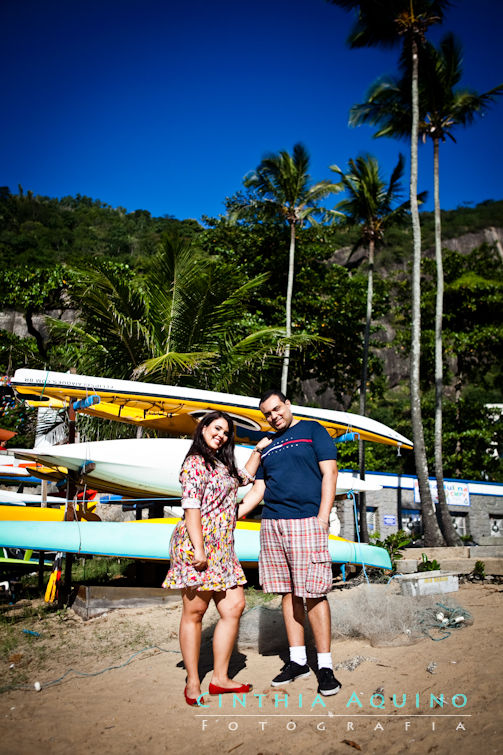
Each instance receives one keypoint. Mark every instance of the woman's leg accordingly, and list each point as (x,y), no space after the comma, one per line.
(230,605)
(194,607)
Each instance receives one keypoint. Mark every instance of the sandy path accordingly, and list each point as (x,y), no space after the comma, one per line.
(139,708)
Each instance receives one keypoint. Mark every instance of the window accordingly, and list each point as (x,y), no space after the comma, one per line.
(371,518)
(496,525)
(460,523)
(411,521)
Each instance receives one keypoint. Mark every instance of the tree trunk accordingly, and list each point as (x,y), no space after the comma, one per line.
(432,534)
(289,291)
(364,534)
(446,522)
(28,316)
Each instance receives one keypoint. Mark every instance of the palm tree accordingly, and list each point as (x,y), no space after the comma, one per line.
(441,107)
(369,204)
(384,23)
(184,319)
(280,187)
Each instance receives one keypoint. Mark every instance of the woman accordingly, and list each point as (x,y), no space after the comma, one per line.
(203,561)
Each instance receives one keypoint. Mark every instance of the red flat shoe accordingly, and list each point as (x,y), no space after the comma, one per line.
(214,689)
(191,700)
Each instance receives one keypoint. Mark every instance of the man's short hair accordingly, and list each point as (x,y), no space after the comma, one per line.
(272,392)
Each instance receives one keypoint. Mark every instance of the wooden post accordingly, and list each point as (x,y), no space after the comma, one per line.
(71,489)
(41,559)
(41,555)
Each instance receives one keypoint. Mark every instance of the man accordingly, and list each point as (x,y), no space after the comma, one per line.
(297,480)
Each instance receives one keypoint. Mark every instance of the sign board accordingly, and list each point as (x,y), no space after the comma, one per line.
(456,493)
(390,521)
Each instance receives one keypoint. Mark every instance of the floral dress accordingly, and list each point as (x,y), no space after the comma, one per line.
(214,491)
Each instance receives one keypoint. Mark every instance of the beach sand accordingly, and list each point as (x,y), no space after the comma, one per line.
(139,706)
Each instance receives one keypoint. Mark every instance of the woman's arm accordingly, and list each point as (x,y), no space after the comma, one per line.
(253,462)
(195,530)
(252,498)
(193,478)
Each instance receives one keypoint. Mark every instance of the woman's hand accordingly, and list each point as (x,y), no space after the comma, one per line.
(200,562)
(262,444)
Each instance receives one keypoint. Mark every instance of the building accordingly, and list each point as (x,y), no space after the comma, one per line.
(476,507)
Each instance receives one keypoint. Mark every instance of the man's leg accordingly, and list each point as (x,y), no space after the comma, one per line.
(275,576)
(318,613)
(293,616)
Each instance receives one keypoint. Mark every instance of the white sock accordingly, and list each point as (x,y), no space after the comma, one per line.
(325,660)
(299,655)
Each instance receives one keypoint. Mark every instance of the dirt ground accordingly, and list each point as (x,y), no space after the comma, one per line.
(131,701)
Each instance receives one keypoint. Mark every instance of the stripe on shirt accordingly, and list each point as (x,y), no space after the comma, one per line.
(286,443)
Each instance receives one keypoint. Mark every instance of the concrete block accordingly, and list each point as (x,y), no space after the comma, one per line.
(428,583)
(493,566)
(480,552)
(407,565)
(263,628)
(92,601)
(489,540)
(463,551)
(458,565)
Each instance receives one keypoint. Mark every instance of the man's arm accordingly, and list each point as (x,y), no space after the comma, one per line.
(329,474)
(252,498)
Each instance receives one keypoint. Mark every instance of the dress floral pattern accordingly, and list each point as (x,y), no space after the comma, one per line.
(214,491)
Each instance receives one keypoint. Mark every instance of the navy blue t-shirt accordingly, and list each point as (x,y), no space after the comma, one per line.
(290,470)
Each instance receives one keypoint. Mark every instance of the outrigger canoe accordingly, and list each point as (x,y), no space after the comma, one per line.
(150,540)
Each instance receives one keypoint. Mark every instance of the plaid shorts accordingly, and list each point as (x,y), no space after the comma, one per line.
(294,557)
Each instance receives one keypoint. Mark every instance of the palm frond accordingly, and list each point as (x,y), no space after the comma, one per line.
(174,361)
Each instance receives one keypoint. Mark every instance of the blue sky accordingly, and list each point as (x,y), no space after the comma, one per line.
(165,106)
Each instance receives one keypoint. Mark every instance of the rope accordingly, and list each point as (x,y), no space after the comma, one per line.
(351,494)
(443,618)
(78,673)
(45,383)
(121,502)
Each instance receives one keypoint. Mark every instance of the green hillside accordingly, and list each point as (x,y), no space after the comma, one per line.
(206,304)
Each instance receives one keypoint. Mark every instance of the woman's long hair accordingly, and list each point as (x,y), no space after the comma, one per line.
(225,453)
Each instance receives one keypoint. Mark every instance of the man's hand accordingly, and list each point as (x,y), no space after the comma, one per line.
(324,523)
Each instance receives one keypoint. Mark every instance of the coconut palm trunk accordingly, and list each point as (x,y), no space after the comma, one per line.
(289,294)
(447,524)
(432,534)
(363,387)
(442,106)
(281,187)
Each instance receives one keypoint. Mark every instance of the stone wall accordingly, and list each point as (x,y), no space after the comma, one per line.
(15,322)
(484,513)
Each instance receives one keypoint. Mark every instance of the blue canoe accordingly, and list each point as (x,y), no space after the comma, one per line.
(150,540)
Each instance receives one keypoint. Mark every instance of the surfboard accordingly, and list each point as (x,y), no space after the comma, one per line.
(30,563)
(147,540)
(30,559)
(13,470)
(148,467)
(31,514)
(175,410)
(21,499)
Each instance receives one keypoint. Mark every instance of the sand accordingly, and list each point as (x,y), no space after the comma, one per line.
(448,691)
